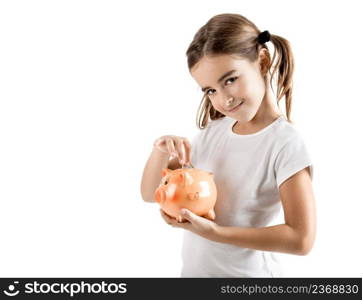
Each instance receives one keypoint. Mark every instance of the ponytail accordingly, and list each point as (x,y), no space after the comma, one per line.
(284,68)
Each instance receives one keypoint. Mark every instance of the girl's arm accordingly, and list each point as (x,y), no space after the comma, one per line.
(296,236)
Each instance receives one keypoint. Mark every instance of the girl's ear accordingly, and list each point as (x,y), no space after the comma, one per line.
(264,61)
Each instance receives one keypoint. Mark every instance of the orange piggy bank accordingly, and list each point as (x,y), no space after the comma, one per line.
(189,188)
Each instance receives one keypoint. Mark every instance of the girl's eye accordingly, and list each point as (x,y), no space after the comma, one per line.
(234,78)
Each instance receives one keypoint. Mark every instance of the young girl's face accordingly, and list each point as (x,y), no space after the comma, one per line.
(235,86)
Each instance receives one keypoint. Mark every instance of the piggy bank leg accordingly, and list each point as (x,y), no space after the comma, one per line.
(210,215)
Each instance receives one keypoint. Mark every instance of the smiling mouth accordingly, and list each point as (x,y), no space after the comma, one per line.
(235,108)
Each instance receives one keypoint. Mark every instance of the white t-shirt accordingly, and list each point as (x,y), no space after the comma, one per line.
(248,170)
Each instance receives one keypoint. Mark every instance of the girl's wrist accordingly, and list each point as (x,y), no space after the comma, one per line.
(218,233)
(214,233)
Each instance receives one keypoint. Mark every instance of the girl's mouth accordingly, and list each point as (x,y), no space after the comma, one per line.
(236,107)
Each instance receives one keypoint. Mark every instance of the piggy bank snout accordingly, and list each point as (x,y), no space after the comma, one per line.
(160,195)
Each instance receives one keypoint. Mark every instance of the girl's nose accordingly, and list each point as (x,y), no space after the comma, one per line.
(229,103)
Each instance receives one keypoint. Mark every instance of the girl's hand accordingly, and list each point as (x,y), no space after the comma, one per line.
(199,225)
(175,146)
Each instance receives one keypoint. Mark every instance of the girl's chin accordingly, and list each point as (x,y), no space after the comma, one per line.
(242,118)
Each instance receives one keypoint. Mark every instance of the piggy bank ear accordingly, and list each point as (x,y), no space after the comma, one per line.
(166,171)
(184,178)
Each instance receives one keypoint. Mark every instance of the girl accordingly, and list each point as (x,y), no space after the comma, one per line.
(259,159)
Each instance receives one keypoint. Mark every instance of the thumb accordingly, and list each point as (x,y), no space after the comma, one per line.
(188,215)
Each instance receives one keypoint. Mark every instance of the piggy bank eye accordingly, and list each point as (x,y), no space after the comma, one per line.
(166,180)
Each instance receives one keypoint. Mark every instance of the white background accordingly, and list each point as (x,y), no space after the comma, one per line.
(87,86)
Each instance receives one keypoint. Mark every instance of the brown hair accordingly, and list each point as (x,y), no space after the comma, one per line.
(235,35)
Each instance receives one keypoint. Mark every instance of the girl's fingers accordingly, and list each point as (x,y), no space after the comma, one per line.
(181,150)
(169,220)
(163,215)
(171,147)
(167,215)
(158,144)
(176,147)
(168,144)
(187,146)
(184,154)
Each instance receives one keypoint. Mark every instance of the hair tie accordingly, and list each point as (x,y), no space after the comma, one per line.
(264,37)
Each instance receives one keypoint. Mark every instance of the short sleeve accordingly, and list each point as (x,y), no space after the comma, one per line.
(292,158)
